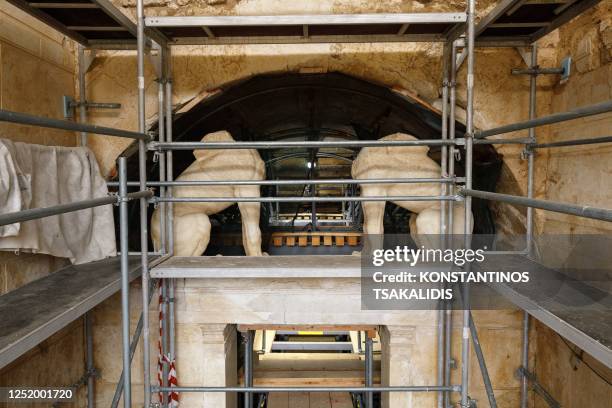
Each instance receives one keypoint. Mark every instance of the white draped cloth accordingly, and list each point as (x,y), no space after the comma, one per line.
(35,176)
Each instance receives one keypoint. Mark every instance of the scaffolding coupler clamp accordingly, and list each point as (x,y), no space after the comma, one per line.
(151,136)
(69,104)
(527,151)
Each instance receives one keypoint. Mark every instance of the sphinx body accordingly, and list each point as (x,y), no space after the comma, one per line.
(191,220)
(402,162)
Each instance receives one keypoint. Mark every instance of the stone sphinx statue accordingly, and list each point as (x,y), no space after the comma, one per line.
(402,162)
(191,222)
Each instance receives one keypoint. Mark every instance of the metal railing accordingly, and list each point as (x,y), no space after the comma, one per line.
(584,211)
(36,213)
(183,183)
(299,199)
(33,120)
(577,113)
(296,144)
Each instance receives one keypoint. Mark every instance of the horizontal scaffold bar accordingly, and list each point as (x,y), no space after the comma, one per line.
(308,19)
(33,120)
(288,182)
(283,145)
(35,213)
(503,141)
(398,388)
(596,109)
(299,199)
(585,211)
(574,142)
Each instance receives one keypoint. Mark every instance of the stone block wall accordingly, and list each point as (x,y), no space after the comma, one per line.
(37,67)
(577,175)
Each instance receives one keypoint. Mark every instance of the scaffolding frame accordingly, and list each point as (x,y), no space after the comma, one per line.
(450,191)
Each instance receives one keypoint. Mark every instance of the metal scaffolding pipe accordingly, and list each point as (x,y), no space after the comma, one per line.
(300,199)
(133,345)
(530,152)
(451,134)
(537,387)
(469,150)
(82,93)
(90,360)
(523,141)
(167,62)
(248,368)
(585,211)
(410,388)
(451,205)
(443,213)
(535,71)
(529,220)
(590,110)
(574,142)
(125,283)
(35,213)
(483,365)
(369,370)
(300,144)
(289,182)
(164,340)
(447,351)
(33,120)
(161,130)
(142,171)
(525,360)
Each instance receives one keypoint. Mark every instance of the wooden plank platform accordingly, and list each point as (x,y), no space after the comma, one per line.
(328,238)
(370,329)
(311,370)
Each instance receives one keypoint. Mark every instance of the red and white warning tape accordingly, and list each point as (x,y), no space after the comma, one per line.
(161,359)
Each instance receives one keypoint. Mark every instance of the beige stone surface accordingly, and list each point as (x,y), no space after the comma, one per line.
(36,69)
(55,362)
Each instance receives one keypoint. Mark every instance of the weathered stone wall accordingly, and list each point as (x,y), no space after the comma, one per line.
(579,174)
(36,68)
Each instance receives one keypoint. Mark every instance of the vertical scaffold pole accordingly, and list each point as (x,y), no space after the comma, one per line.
(444,136)
(469,146)
(443,216)
(90,360)
(161,130)
(451,131)
(125,284)
(166,60)
(82,93)
(164,341)
(530,152)
(248,367)
(144,231)
(530,170)
(451,172)
(169,153)
(369,370)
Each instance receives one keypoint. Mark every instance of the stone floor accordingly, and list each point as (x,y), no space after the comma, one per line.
(310,400)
